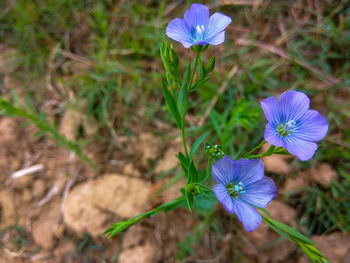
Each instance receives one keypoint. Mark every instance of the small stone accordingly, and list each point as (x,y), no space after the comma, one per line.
(26,196)
(141,254)
(149,145)
(7,209)
(63,249)
(92,206)
(323,174)
(70,122)
(297,183)
(38,188)
(173,191)
(44,227)
(130,169)
(169,160)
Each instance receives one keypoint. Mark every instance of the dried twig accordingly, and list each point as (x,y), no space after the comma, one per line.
(27,170)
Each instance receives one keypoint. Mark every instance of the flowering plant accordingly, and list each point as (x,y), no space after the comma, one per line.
(241,186)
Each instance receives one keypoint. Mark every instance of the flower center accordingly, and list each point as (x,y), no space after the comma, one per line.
(235,189)
(286,129)
(200,29)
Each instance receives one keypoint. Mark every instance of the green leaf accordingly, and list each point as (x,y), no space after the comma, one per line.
(201,71)
(198,142)
(189,198)
(187,75)
(210,65)
(290,231)
(183,161)
(182,101)
(199,83)
(172,105)
(192,173)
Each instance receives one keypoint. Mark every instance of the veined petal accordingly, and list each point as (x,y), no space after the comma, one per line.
(224,197)
(247,214)
(260,193)
(312,126)
(292,105)
(225,170)
(250,171)
(217,23)
(218,39)
(178,31)
(270,108)
(302,149)
(271,135)
(197,15)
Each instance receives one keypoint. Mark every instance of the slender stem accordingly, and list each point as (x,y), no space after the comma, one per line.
(204,187)
(183,138)
(267,153)
(256,148)
(194,70)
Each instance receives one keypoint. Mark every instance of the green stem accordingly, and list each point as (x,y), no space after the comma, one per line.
(204,187)
(194,69)
(256,148)
(183,139)
(267,153)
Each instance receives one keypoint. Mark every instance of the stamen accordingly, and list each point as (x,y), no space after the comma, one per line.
(235,190)
(286,128)
(200,29)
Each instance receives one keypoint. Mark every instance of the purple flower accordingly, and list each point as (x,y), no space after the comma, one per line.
(292,125)
(197,28)
(239,185)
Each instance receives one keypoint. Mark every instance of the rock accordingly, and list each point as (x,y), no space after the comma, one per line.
(264,235)
(63,249)
(149,145)
(173,191)
(38,188)
(130,169)
(70,122)
(7,209)
(135,235)
(336,247)
(323,174)
(169,160)
(146,253)
(43,227)
(297,183)
(9,128)
(93,205)
(276,164)
(26,196)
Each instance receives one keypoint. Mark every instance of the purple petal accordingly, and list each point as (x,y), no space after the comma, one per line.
(217,24)
(250,171)
(293,105)
(271,136)
(313,127)
(218,39)
(225,170)
(224,197)
(302,149)
(198,14)
(260,193)
(177,30)
(270,108)
(247,214)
